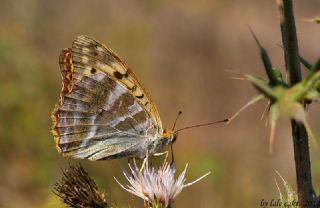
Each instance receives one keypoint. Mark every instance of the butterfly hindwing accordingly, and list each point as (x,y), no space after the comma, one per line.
(99,115)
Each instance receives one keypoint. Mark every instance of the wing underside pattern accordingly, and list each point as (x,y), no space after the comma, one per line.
(100,113)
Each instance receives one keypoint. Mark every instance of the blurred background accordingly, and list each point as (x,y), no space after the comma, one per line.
(180,51)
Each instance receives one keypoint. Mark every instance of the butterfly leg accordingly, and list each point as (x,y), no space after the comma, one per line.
(145,161)
(166,153)
(172,155)
(130,160)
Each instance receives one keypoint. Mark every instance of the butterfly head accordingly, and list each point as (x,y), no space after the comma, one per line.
(169,136)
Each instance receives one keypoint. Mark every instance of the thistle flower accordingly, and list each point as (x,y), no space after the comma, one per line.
(157,186)
(77,189)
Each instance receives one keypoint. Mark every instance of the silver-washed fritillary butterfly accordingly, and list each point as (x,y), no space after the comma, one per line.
(104,112)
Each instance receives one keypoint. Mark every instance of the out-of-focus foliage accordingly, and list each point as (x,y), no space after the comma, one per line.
(179,51)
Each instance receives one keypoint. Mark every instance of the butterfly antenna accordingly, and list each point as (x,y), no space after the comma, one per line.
(175,122)
(200,125)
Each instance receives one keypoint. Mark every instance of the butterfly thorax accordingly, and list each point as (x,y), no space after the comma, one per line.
(168,137)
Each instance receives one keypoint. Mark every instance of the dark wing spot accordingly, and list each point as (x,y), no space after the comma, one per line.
(140,96)
(118,75)
(126,75)
(93,70)
(134,88)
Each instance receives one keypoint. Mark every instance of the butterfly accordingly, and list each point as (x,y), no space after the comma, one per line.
(104,112)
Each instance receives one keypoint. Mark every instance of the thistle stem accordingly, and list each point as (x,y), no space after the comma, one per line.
(306,192)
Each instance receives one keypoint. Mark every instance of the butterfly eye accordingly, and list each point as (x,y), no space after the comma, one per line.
(174,137)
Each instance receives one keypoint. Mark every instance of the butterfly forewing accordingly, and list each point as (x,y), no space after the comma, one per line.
(103,111)
(91,53)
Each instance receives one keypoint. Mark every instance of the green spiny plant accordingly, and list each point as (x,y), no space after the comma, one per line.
(289,99)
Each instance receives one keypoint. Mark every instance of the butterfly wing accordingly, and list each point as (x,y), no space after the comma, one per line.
(103,111)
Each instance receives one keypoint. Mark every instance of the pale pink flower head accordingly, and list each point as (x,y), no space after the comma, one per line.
(157,186)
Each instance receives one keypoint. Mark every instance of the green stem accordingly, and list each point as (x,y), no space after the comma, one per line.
(306,192)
